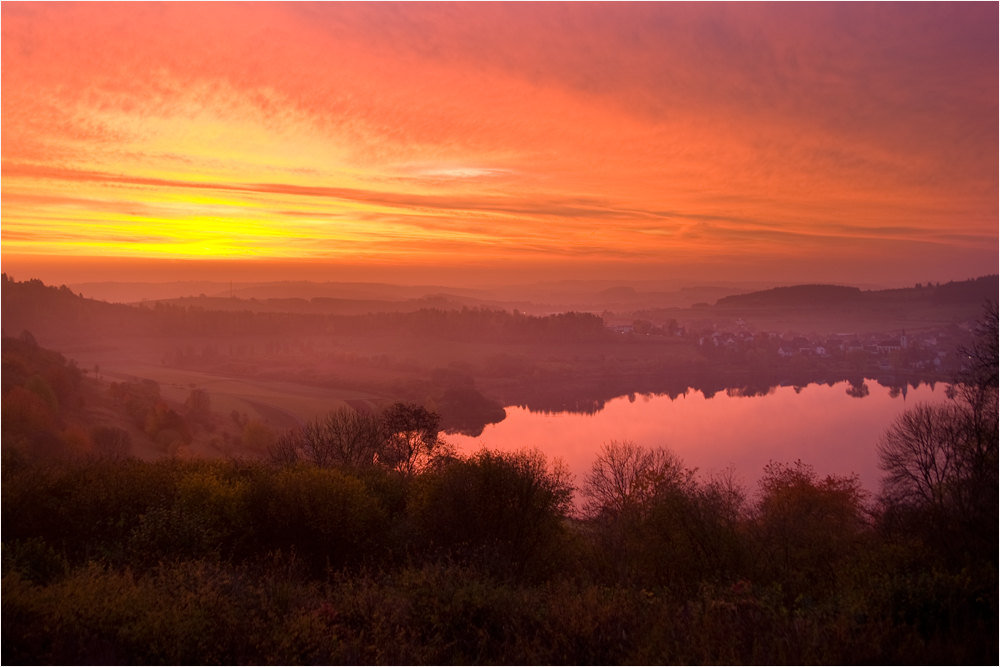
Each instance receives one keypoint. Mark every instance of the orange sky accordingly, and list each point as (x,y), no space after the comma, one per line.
(845,143)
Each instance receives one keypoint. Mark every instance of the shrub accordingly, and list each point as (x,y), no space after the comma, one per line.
(806,527)
(207,516)
(328,517)
(503,510)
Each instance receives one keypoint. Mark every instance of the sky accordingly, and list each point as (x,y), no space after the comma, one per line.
(470,143)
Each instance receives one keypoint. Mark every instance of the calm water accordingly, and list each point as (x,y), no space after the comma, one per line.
(821,425)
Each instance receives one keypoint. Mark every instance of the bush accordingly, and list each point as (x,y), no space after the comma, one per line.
(328,517)
(502,510)
(208,516)
(806,528)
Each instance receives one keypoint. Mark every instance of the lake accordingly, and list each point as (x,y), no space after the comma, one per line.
(822,425)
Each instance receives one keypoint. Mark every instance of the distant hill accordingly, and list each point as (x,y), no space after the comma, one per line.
(56,312)
(967,291)
(971,291)
(134,292)
(798,295)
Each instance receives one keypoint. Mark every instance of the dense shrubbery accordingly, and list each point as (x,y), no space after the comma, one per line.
(470,559)
(504,512)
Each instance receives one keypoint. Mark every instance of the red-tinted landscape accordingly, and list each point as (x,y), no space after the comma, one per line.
(479,333)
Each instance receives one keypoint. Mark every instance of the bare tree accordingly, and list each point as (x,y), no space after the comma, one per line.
(403,437)
(626,478)
(353,437)
(343,437)
(941,460)
(919,455)
(411,437)
(286,450)
(981,369)
(111,442)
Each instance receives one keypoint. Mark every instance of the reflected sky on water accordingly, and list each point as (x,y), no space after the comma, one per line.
(822,425)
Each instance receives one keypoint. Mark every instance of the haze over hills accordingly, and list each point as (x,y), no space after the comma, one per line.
(285,361)
(923,305)
(469,357)
(966,291)
(350,298)
(358,298)
(133,292)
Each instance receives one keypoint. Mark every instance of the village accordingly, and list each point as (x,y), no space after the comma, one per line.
(931,350)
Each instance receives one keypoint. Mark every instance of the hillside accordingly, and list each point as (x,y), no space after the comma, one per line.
(798,295)
(973,291)
(55,313)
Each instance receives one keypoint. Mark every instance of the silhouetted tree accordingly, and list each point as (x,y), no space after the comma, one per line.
(411,437)
(343,437)
(626,477)
(940,461)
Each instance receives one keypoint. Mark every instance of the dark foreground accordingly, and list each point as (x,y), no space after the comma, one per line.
(473,560)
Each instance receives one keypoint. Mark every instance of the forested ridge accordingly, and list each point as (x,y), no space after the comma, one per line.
(822,296)
(33,305)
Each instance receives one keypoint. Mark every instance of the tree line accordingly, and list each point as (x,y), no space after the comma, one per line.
(32,304)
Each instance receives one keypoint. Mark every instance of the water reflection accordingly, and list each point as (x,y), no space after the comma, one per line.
(858,390)
(823,425)
(589,396)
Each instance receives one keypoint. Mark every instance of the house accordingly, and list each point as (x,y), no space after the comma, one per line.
(887,346)
(785,351)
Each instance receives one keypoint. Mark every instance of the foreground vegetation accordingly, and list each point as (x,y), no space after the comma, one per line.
(362,539)
(473,559)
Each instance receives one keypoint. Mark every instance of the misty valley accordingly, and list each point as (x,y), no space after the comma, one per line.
(662,482)
(282,368)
